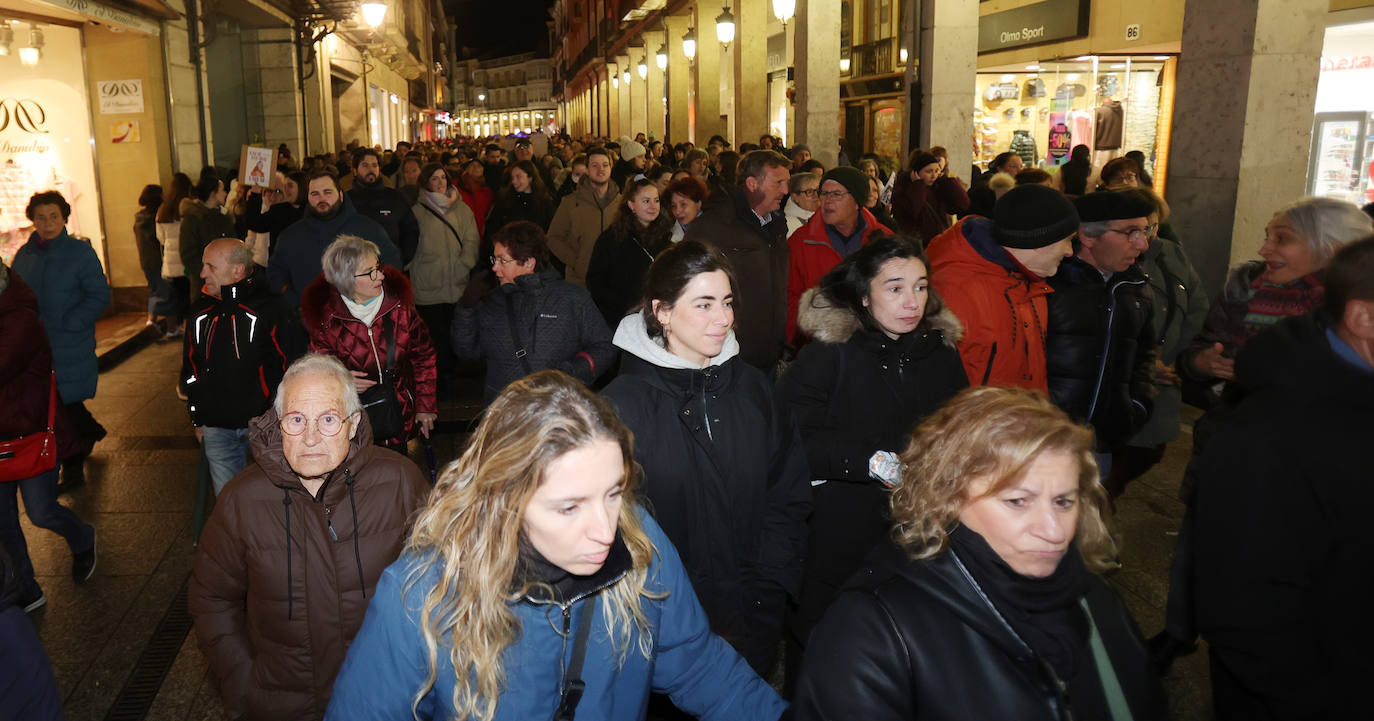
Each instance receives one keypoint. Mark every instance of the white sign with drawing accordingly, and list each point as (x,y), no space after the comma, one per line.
(120,96)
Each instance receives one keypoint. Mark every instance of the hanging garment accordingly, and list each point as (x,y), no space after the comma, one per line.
(1024,145)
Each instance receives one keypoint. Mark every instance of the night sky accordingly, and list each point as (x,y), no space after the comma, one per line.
(501,27)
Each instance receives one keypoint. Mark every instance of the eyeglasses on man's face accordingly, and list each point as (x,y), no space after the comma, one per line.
(1135,233)
(833,194)
(328,423)
(373,274)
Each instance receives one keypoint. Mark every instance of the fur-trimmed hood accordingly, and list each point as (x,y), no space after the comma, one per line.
(321,299)
(821,318)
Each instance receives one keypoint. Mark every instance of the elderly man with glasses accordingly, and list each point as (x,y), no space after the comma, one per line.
(1099,346)
(295,546)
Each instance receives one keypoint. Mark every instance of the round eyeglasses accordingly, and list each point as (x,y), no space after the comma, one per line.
(328,424)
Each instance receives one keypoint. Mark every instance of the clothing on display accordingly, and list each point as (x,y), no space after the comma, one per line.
(1002,91)
(1023,144)
(1080,129)
(1108,125)
(1108,85)
(1035,88)
(1068,91)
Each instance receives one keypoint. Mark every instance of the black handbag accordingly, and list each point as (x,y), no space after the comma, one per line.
(380,401)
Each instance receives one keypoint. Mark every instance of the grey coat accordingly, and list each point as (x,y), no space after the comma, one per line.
(1180,309)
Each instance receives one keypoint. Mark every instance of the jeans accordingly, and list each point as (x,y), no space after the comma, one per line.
(40,501)
(227,451)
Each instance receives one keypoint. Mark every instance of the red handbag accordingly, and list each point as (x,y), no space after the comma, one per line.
(34,454)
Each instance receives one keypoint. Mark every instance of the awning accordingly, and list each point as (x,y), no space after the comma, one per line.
(110,15)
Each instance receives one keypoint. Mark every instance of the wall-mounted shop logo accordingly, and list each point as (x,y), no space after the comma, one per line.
(120,88)
(23,114)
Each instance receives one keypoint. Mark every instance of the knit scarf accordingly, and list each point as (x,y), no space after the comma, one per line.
(438,201)
(1044,612)
(1272,303)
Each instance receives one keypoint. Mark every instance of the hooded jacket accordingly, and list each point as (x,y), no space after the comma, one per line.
(236,349)
(854,392)
(699,672)
(725,476)
(282,579)
(1179,311)
(1002,306)
(920,641)
(559,327)
(810,255)
(579,221)
(26,366)
(389,208)
(301,247)
(72,293)
(1287,613)
(334,330)
(615,274)
(448,251)
(759,255)
(1100,349)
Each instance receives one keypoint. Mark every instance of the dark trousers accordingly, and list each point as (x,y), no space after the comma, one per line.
(87,428)
(1128,464)
(439,318)
(40,502)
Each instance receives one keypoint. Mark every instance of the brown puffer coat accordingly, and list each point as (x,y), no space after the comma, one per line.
(282,580)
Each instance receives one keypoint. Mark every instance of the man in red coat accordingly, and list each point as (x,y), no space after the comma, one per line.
(992,273)
(835,230)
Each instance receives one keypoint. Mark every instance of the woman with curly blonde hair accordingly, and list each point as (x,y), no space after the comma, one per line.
(531,548)
(985,605)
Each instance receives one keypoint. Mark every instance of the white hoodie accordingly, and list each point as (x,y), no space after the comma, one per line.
(632,337)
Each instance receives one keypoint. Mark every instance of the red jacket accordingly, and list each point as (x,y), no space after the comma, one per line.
(480,199)
(334,331)
(1002,305)
(811,256)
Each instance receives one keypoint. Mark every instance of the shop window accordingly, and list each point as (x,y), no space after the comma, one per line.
(887,132)
(1342,156)
(879,20)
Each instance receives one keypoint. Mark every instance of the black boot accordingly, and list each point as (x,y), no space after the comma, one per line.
(73,473)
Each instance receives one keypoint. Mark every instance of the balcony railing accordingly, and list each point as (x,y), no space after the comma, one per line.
(875,58)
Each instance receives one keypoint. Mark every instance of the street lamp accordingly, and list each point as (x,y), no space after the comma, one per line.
(725,27)
(625,77)
(783,10)
(689,44)
(615,81)
(374,13)
(661,57)
(844,65)
(643,69)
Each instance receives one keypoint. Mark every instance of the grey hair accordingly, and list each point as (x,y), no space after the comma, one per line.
(341,258)
(796,183)
(240,254)
(320,364)
(1094,228)
(1327,224)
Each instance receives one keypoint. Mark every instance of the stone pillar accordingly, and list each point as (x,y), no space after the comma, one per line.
(679,79)
(625,114)
(1247,85)
(655,108)
(707,76)
(603,106)
(817,77)
(750,50)
(614,99)
(947,72)
(638,120)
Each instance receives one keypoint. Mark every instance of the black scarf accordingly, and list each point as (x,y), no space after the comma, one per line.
(553,583)
(1044,612)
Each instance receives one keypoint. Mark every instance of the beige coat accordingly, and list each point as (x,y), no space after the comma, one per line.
(580,219)
(439,272)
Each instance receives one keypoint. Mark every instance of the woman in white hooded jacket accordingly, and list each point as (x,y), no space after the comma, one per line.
(447,253)
(724,472)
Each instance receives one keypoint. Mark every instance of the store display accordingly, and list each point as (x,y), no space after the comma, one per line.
(1108,122)
(1024,145)
(1342,148)
(1060,140)
(1035,88)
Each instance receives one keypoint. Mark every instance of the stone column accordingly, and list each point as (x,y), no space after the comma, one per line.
(654,107)
(707,76)
(615,95)
(817,77)
(638,120)
(679,79)
(1247,85)
(750,50)
(947,72)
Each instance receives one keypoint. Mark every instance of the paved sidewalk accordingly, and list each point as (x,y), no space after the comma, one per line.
(109,639)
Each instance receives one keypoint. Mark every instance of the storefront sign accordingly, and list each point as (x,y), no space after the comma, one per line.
(125,131)
(120,96)
(106,14)
(24,115)
(1348,62)
(1042,22)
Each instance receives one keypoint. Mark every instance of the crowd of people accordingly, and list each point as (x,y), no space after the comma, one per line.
(865,425)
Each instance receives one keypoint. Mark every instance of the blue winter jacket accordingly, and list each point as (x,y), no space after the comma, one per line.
(72,293)
(699,671)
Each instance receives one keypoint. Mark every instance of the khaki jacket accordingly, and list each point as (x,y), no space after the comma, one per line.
(580,219)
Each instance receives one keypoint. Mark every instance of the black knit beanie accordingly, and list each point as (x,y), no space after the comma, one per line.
(853,180)
(1033,216)
(1112,205)
(921,160)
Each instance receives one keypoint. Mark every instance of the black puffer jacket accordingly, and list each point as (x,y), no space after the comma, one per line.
(725,477)
(919,641)
(391,210)
(559,328)
(1281,544)
(854,392)
(1100,349)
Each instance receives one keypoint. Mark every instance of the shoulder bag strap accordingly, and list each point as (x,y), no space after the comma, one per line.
(389,332)
(444,220)
(520,351)
(52,401)
(1111,685)
(573,685)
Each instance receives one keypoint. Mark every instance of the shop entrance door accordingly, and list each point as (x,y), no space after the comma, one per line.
(1340,157)
(856,129)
